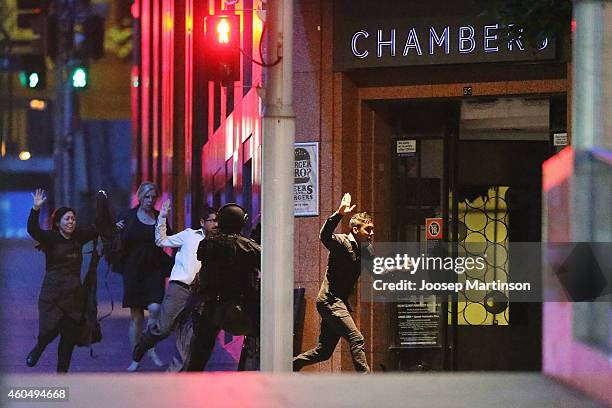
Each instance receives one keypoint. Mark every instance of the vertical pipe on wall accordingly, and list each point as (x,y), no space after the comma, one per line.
(156,93)
(277,193)
(136,84)
(145,92)
(454,180)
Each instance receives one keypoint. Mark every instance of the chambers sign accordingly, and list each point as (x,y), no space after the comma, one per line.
(392,43)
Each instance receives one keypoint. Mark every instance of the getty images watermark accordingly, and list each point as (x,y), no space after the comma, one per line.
(523,272)
(460,265)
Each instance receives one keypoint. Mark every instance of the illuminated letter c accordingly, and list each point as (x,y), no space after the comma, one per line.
(354,44)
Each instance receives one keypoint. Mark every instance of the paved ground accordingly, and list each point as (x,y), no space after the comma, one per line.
(21,271)
(254,390)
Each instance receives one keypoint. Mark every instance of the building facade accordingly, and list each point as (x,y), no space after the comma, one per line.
(419,111)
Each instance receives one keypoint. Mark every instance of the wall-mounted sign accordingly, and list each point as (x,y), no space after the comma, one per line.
(560,139)
(433,228)
(417,324)
(405,147)
(306,179)
(362,42)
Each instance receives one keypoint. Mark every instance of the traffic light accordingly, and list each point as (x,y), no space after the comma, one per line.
(89,37)
(222,48)
(80,77)
(30,14)
(30,79)
(33,72)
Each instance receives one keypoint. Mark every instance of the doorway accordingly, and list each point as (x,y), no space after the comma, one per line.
(477,166)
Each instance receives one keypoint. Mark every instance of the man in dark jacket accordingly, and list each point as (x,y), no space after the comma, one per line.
(229,281)
(343,271)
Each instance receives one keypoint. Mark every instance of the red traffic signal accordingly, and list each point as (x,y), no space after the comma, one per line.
(222,48)
(30,14)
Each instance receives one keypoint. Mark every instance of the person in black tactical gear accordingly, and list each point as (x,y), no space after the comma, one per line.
(229,283)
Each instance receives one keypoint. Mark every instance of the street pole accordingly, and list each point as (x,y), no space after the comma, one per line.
(590,199)
(588,84)
(277,194)
(64,108)
(588,105)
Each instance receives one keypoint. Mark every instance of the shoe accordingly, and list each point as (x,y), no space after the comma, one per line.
(138,352)
(155,358)
(32,358)
(133,367)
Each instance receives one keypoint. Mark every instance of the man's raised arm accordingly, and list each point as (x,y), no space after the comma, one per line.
(327,231)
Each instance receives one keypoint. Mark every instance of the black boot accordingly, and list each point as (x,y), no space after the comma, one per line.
(64,354)
(32,358)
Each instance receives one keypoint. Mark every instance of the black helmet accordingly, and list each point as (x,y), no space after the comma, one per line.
(231,218)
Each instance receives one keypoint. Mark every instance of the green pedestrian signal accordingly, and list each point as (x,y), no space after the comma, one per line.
(32,71)
(80,77)
(29,79)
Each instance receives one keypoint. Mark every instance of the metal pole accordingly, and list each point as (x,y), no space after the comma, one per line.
(588,104)
(64,109)
(587,72)
(58,132)
(277,191)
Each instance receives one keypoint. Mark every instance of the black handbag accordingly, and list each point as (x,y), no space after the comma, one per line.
(90,331)
(116,252)
(115,249)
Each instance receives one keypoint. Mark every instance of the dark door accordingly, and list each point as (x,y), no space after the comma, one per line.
(497,201)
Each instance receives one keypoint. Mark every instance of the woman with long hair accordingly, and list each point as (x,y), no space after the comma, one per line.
(62,299)
(144,266)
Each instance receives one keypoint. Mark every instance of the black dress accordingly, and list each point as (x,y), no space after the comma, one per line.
(145,265)
(62,298)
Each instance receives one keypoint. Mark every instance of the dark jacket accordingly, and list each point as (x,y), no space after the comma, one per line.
(230,266)
(229,281)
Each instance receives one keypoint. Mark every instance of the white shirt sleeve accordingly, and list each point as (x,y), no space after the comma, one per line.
(164,241)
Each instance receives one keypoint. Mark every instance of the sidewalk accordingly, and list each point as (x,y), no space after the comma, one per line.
(302,390)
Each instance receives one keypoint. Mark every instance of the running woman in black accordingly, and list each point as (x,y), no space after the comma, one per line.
(61,303)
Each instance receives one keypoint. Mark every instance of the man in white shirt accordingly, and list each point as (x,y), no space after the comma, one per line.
(186,266)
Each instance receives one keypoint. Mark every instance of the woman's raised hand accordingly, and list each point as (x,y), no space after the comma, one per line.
(38,198)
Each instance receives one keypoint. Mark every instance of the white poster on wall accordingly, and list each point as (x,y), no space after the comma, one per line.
(306,179)
(405,147)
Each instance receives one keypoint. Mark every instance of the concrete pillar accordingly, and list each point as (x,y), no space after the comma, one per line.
(277,194)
